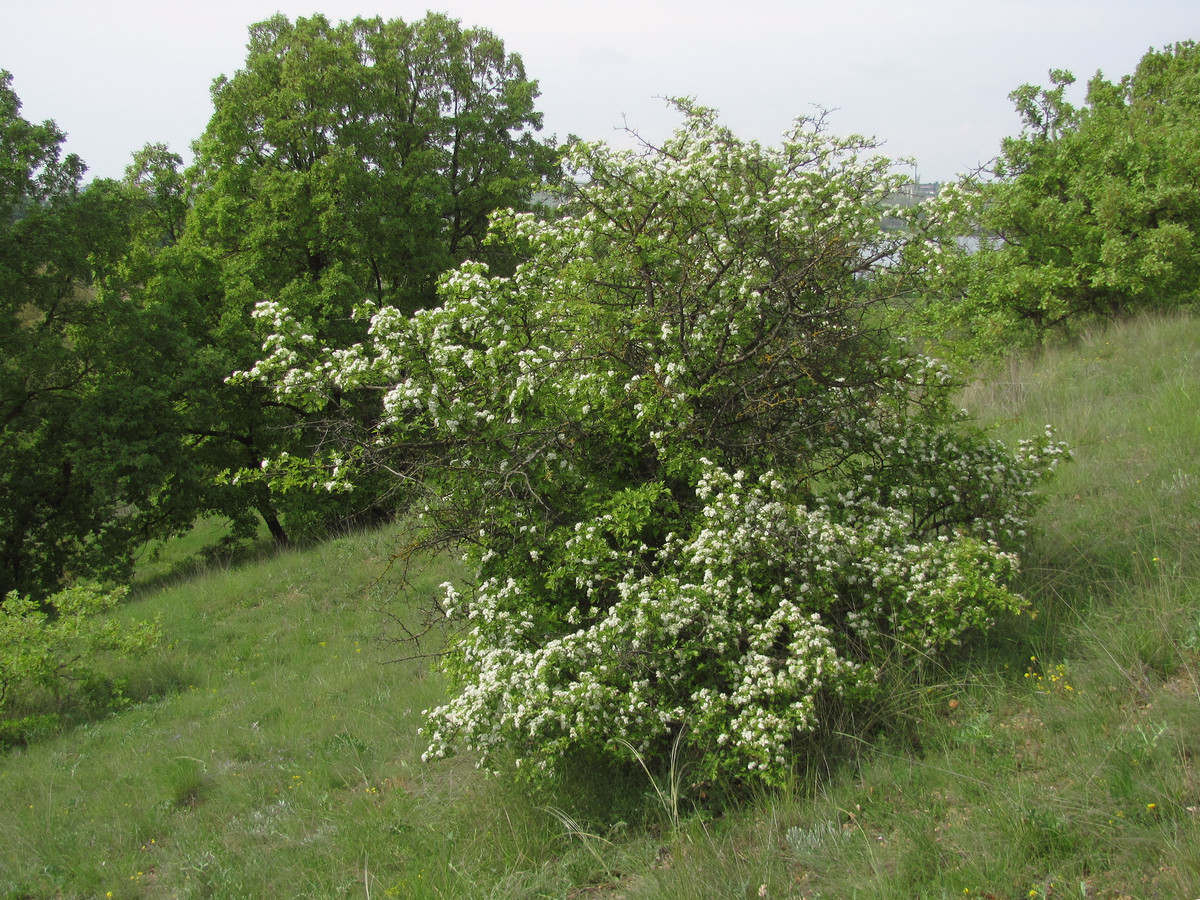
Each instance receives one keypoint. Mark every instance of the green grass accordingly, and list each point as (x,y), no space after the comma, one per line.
(208,545)
(271,748)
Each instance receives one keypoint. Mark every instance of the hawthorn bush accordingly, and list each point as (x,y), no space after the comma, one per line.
(703,487)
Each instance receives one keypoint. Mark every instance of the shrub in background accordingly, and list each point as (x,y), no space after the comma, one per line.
(59,645)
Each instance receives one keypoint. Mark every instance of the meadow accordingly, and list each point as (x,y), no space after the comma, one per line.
(271,746)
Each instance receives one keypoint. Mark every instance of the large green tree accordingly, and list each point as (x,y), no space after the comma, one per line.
(83,445)
(345,164)
(1091,210)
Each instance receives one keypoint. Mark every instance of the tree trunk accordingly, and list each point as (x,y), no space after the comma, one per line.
(274,526)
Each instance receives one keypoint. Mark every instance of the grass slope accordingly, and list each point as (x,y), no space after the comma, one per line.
(270,753)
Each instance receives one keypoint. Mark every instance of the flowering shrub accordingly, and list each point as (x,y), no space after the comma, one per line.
(703,486)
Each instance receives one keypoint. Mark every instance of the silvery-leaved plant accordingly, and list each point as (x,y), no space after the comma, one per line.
(703,487)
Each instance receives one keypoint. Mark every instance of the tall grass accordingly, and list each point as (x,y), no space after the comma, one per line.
(273,750)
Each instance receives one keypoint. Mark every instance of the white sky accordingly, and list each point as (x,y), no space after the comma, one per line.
(930,78)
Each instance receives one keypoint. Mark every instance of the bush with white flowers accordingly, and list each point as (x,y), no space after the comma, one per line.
(703,487)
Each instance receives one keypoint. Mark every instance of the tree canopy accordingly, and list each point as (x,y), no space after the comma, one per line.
(345,164)
(1090,210)
(81,451)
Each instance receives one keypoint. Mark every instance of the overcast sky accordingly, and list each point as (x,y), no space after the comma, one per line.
(930,78)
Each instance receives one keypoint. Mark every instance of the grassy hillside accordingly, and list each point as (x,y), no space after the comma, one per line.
(271,748)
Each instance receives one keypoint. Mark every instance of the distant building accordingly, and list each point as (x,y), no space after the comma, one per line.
(909,196)
(912,194)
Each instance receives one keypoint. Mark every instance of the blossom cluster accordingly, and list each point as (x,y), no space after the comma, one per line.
(737,631)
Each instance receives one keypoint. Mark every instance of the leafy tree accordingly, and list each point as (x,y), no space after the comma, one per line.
(156,181)
(345,164)
(1092,210)
(83,450)
(705,490)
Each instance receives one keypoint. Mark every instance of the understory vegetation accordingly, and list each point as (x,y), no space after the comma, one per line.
(265,751)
